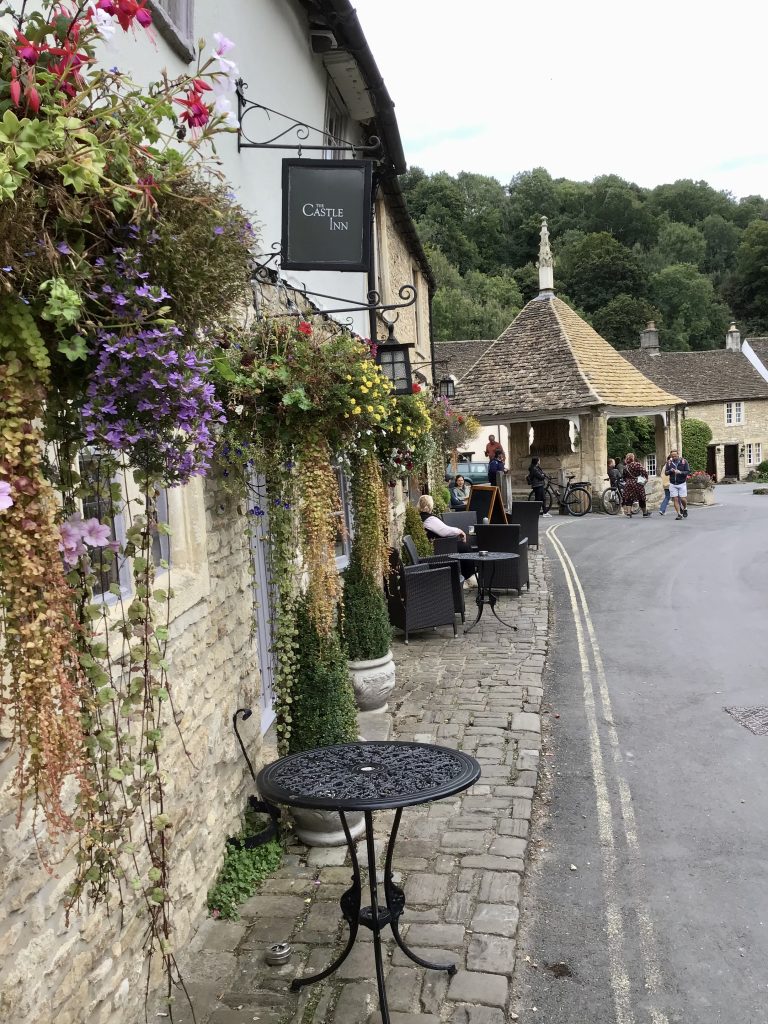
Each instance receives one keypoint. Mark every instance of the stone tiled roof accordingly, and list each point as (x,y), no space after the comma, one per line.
(714,376)
(460,355)
(548,360)
(760,347)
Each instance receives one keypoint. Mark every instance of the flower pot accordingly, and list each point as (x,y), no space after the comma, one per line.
(323,828)
(701,493)
(372,681)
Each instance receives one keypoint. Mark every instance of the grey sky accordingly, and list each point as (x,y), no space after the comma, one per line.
(655,91)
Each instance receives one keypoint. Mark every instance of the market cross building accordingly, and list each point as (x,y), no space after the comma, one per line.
(556,383)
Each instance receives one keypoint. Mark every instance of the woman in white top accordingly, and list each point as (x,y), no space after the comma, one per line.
(435,527)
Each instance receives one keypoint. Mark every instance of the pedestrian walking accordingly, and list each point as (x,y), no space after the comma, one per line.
(537,479)
(635,478)
(496,465)
(679,471)
(665,485)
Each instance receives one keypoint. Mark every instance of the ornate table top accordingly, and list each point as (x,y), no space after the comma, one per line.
(475,556)
(367,776)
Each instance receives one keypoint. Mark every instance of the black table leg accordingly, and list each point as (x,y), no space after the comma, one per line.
(396,904)
(486,596)
(350,909)
(376,918)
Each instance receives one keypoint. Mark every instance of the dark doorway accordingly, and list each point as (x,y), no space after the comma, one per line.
(712,461)
(731,453)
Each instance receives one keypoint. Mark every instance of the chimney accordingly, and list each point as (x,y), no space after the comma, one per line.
(649,339)
(733,339)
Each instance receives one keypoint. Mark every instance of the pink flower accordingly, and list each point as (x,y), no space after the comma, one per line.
(71,545)
(5,495)
(305,328)
(223,45)
(95,533)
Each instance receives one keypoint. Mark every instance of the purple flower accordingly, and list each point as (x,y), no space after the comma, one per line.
(7,270)
(95,533)
(143,292)
(120,300)
(5,495)
(64,249)
(218,230)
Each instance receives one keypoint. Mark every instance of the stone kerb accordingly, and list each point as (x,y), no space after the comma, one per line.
(460,861)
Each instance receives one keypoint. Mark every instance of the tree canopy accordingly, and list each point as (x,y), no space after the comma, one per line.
(682,254)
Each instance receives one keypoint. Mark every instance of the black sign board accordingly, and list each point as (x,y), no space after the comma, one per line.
(326,215)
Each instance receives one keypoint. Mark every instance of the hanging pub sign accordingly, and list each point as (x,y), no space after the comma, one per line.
(326,215)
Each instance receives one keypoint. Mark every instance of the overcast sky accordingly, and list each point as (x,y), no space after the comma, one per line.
(652,91)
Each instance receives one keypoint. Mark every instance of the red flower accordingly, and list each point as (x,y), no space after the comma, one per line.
(305,328)
(416,388)
(33,99)
(461,419)
(28,52)
(197,113)
(127,10)
(15,88)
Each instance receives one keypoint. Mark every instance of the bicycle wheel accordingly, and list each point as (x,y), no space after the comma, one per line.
(611,501)
(547,499)
(579,501)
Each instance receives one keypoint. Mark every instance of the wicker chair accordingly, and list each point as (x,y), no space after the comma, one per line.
(526,514)
(464,520)
(419,597)
(511,575)
(441,559)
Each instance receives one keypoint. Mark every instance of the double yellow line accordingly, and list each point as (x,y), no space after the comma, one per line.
(633,873)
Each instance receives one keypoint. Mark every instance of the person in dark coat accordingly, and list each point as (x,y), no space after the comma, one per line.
(634,491)
(496,465)
(537,478)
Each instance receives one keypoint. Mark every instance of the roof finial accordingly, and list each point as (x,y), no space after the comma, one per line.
(546,262)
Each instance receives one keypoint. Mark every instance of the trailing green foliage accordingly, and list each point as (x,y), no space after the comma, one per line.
(682,254)
(322,697)
(366,629)
(243,869)
(696,437)
(415,527)
(631,434)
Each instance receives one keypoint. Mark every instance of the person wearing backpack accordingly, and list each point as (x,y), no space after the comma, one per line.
(537,480)
(679,471)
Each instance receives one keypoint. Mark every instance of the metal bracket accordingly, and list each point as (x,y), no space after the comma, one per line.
(294,127)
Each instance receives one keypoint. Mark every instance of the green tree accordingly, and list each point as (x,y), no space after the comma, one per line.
(480,307)
(722,240)
(696,438)
(598,268)
(748,288)
(487,219)
(679,243)
(621,320)
(693,315)
(689,202)
(619,207)
(631,434)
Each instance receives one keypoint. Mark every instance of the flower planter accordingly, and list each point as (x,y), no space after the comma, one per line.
(701,493)
(372,681)
(323,828)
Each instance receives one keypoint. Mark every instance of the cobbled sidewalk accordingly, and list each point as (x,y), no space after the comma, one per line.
(459,860)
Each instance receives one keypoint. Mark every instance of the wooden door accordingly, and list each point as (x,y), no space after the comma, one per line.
(731,454)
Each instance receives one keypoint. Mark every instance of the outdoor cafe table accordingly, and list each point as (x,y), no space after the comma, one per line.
(368,777)
(485,594)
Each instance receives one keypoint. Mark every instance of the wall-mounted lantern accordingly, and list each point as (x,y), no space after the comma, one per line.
(395,361)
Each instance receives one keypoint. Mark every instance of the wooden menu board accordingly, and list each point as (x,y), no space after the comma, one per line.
(485,500)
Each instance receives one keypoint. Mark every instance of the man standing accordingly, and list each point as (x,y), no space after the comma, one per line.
(492,447)
(679,471)
(496,466)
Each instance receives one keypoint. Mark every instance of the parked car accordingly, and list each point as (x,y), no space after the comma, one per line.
(473,472)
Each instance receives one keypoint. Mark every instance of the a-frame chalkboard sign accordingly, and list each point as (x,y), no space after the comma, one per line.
(485,500)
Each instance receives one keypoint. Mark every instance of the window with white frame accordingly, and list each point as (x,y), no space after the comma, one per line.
(754,453)
(335,126)
(175,23)
(650,464)
(734,413)
(344,525)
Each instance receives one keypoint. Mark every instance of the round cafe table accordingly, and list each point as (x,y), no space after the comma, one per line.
(369,777)
(485,566)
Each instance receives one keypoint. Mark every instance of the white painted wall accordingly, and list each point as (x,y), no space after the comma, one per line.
(275,60)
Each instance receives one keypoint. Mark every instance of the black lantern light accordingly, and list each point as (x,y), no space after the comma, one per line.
(393,358)
(446,388)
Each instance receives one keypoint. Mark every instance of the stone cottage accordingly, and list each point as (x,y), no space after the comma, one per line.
(725,388)
(311,60)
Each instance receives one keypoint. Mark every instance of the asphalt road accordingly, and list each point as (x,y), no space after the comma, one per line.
(658,798)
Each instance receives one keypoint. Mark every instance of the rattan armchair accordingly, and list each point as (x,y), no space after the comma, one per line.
(512,574)
(457,588)
(419,597)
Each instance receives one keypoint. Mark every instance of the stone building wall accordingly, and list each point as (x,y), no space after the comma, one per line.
(753,430)
(93,971)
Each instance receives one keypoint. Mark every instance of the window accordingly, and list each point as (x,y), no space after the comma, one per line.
(344,534)
(175,23)
(754,454)
(650,464)
(734,413)
(98,504)
(161,547)
(335,127)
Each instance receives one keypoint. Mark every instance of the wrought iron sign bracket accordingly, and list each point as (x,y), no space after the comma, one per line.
(293,134)
(374,304)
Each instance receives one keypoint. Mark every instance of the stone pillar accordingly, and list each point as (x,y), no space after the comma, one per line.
(518,456)
(593,447)
(676,428)
(662,441)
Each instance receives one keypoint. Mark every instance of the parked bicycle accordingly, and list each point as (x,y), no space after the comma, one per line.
(611,498)
(576,497)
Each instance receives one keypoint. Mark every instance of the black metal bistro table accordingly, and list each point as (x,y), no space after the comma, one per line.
(369,777)
(485,594)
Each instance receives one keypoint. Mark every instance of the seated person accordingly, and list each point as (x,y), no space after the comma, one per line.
(435,527)
(459,494)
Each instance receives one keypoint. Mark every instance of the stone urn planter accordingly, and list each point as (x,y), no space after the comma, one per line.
(701,490)
(372,681)
(323,828)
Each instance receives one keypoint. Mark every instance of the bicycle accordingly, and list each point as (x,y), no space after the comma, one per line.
(576,497)
(611,498)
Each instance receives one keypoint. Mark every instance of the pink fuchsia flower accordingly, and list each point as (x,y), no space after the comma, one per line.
(29,52)
(95,533)
(5,495)
(223,45)
(305,328)
(197,113)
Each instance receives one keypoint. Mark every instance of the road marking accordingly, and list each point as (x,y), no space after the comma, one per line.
(652,972)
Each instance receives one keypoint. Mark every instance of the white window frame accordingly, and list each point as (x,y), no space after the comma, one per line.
(175,21)
(650,464)
(336,124)
(342,560)
(754,453)
(119,534)
(735,414)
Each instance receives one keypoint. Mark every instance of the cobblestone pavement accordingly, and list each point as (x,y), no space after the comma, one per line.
(459,860)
